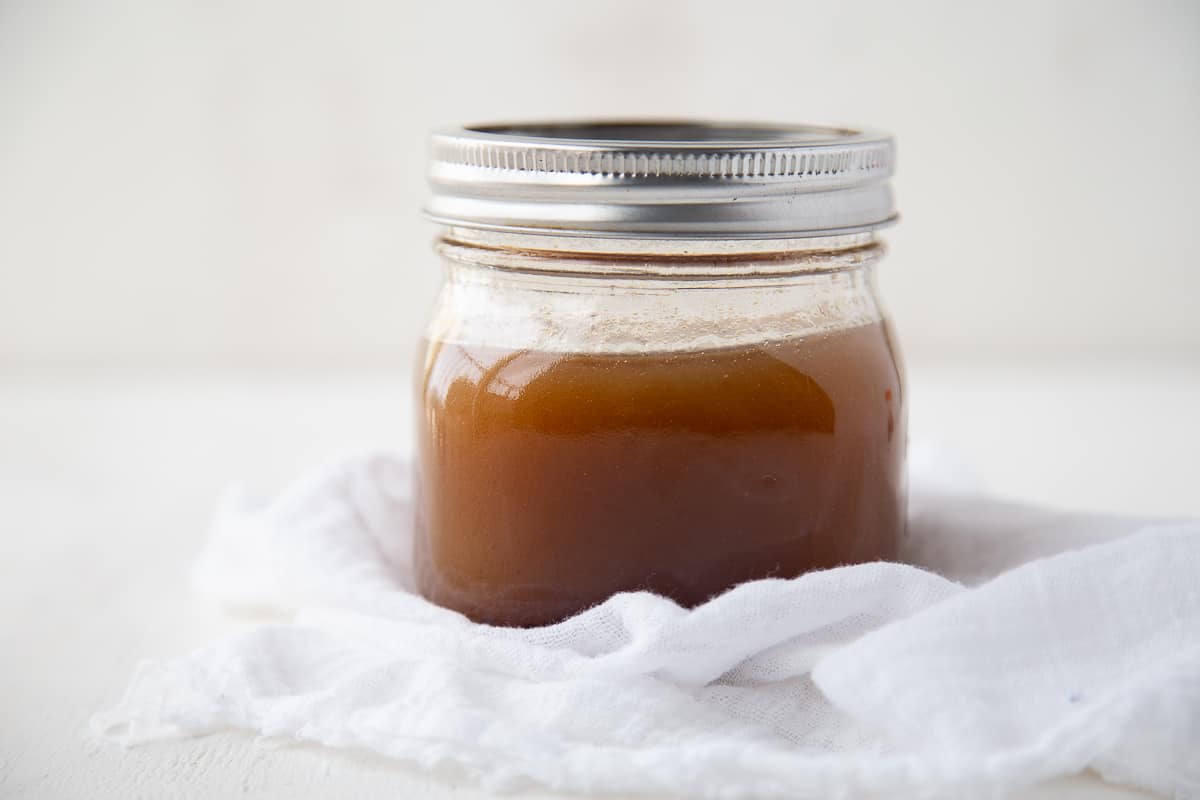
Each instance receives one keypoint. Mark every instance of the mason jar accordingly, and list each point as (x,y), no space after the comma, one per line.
(658,362)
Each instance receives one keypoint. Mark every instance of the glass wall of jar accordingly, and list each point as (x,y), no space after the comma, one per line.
(635,379)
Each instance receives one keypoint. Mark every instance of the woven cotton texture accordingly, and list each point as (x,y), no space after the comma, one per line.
(1022,645)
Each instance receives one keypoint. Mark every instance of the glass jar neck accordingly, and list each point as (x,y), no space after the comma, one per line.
(673,258)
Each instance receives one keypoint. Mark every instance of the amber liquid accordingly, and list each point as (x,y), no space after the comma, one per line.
(550,481)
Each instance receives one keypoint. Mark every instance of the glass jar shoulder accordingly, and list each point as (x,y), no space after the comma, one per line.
(567,313)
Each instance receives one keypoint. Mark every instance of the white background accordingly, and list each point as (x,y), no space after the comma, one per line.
(235,183)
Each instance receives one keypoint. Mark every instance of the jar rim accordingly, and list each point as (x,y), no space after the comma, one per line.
(661,178)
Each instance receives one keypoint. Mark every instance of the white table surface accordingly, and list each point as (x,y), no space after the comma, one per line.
(107,478)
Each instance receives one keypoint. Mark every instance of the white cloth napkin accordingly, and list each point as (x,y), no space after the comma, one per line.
(1006,656)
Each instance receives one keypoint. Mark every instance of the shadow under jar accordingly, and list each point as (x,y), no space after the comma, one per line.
(658,362)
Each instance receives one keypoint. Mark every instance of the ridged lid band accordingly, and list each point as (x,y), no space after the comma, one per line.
(685,179)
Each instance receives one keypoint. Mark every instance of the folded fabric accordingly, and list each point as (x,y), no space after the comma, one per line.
(1015,645)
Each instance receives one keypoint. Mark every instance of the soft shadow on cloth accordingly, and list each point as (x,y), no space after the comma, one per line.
(1016,644)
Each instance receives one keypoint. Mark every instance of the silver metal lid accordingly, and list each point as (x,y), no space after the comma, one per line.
(662,179)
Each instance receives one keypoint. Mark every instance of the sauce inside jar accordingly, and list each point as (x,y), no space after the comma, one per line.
(550,481)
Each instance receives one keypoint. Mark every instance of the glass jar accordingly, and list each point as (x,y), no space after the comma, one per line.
(658,362)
